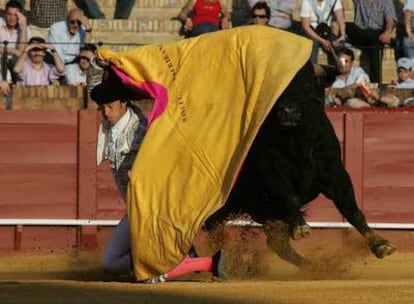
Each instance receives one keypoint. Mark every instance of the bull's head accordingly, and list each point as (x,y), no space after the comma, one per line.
(300,99)
(290,110)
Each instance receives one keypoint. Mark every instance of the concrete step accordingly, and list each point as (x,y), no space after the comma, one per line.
(124,34)
(145,9)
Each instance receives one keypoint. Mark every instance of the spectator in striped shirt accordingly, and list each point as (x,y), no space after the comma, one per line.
(370,31)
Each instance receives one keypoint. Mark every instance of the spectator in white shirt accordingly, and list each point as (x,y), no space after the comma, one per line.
(14,31)
(316,12)
(75,73)
(353,78)
(69,36)
(351,74)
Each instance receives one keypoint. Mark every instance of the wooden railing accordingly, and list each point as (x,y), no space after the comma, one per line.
(49,173)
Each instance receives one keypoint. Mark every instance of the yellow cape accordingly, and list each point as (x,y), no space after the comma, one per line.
(211,95)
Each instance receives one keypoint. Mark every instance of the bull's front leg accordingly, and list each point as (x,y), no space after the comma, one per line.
(378,245)
(337,185)
(278,240)
(283,199)
(342,194)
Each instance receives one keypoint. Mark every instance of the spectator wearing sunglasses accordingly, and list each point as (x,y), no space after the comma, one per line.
(280,12)
(75,73)
(31,68)
(260,13)
(69,36)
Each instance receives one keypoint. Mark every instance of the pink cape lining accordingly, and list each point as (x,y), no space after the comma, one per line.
(155,90)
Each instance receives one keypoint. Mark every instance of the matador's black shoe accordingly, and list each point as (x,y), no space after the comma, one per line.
(219,266)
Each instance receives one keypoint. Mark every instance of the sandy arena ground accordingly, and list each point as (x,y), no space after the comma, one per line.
(350,276)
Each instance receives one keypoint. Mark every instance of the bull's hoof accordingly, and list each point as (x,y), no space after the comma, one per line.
(379,246)
(301,231)
(383,250)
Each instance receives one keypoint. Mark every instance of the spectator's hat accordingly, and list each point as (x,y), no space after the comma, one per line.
(405,63)
(109,90)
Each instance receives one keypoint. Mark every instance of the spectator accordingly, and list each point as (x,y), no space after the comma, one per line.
(68,36)
(398,45)
(5,72)
(31,68)
(350,87)
(5,79)
(13,28)
(350,73)
(207,16)
(408,40)
(318,14)
(123,8)
(371,29)
(43,13)
(261,13)
(404,69)
(280,12)
(75,73)
(4,88)
(400,92)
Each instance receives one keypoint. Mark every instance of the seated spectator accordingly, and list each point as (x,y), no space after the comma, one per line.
(68,36)
(350,73)
(4,88)
(31,68)
(123,8)
(261,13)
(280,12)
(400,92)
(5,79)
(351,87)
(404,70)
(207,16)
(371,30)
(316,19)
(75,73)
(13,29)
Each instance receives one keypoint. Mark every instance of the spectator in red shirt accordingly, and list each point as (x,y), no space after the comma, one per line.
(207,16)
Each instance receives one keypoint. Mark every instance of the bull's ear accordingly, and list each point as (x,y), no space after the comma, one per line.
(326,74)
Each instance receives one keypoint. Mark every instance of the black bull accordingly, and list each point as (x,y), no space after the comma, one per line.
(295,157)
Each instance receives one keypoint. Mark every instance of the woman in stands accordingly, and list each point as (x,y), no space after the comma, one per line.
(203,16)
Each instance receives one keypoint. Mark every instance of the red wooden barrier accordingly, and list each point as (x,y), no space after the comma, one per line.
(48,170)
